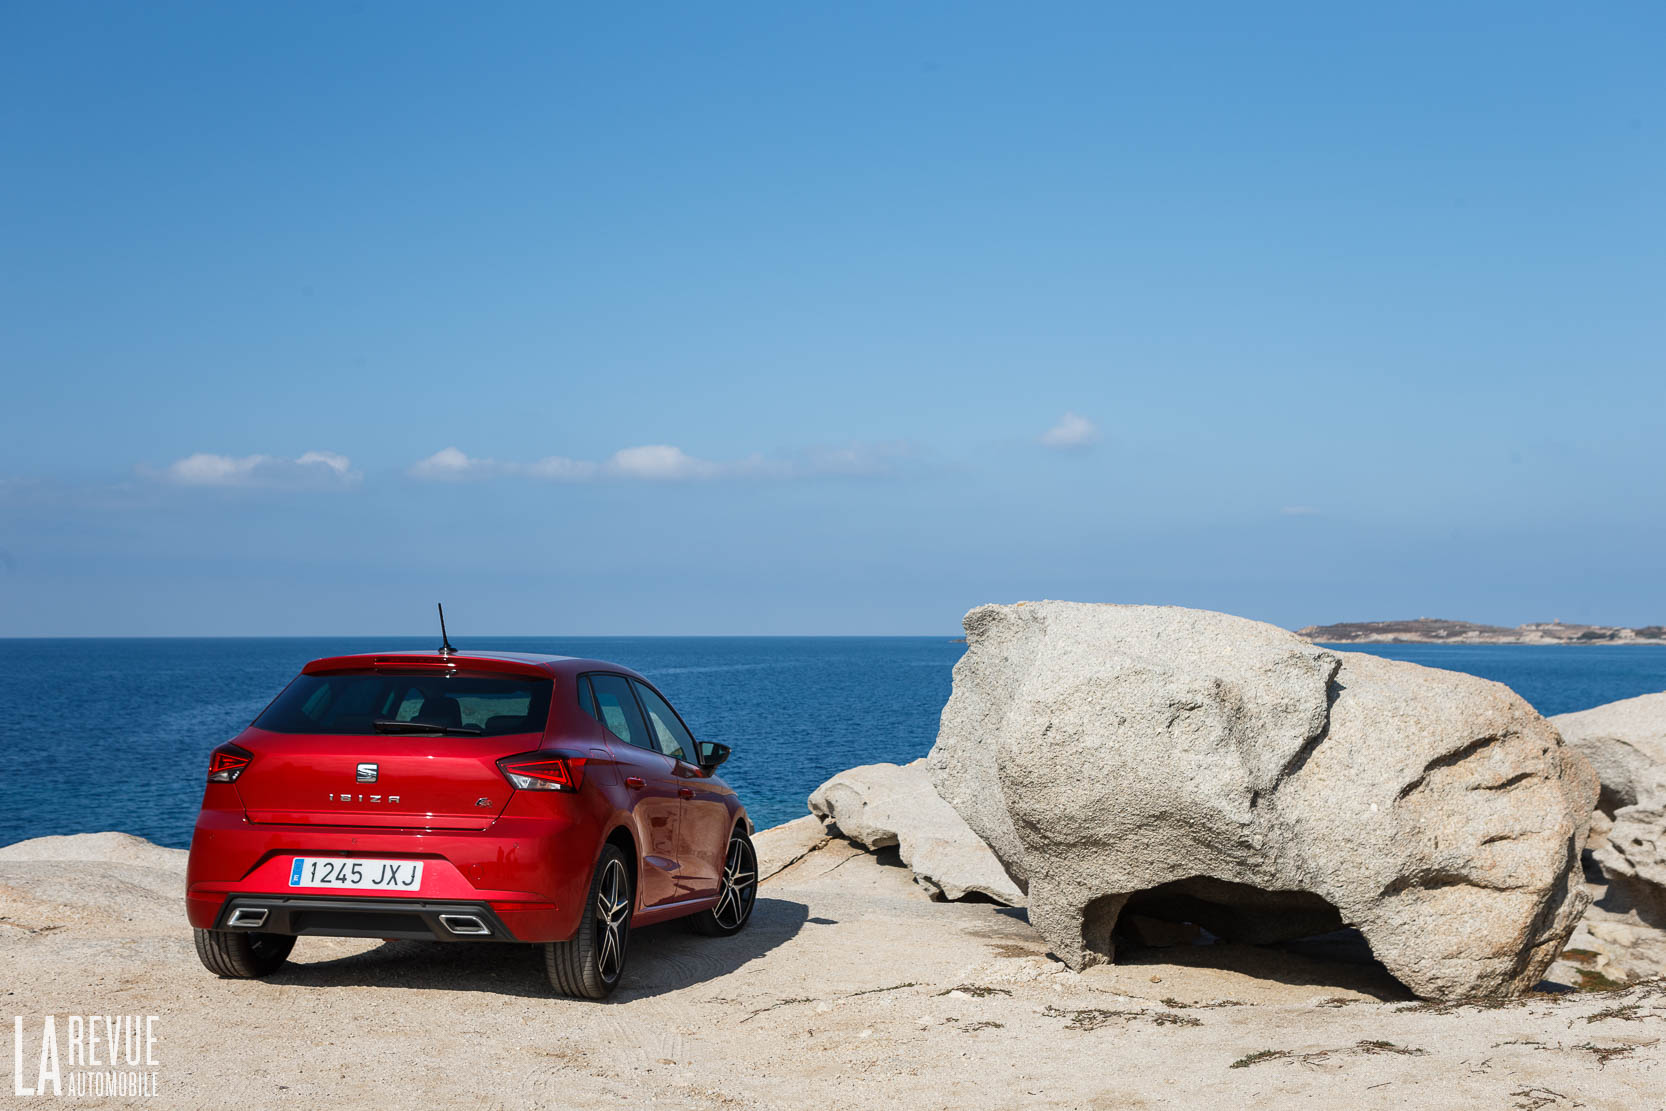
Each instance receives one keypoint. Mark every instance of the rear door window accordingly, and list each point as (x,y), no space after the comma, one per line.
(353,703)
(670,735)
(616,708)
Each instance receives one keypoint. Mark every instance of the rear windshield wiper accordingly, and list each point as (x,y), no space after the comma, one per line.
(424,727)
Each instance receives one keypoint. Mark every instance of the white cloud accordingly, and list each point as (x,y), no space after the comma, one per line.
(666,463)
(311,469)
(450,463)
(1071,431)
(340,464)
(662,462)
(653,462)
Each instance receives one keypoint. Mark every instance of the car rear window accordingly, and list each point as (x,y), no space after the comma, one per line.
(353,703)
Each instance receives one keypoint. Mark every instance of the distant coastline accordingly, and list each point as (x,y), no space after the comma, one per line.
(1434,630)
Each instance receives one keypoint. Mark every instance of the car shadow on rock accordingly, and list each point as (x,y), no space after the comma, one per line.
(670,956)
(661,958)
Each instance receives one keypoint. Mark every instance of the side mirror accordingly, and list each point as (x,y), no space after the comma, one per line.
(712,754)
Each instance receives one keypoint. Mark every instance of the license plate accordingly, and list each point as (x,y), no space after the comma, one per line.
(358,874)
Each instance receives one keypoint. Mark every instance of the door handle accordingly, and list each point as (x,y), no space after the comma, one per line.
(684,793)
(635,782)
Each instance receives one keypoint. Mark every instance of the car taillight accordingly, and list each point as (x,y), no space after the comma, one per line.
(543,771)
(227,762)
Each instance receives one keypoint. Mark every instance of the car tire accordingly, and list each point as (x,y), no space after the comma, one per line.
(242,955)
(591,964)
(737,893)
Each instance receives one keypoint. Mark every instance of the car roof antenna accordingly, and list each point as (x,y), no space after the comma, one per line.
(445,641)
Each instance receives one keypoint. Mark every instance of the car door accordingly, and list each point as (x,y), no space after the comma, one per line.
(703,837)
(650,784)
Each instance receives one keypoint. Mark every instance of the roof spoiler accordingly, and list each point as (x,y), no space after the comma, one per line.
(425,662)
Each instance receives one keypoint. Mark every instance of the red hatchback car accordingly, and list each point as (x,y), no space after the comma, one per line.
(478,796)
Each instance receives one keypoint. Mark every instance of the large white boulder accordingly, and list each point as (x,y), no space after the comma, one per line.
(1625,742)
(880,805)
(105,848)
(1205,765)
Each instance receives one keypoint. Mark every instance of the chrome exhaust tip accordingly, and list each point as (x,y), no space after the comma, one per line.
(247,918)
(465,924)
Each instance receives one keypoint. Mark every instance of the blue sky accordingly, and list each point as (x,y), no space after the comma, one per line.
(827,318)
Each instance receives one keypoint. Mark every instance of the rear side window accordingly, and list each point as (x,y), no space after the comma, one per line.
(670,735)
(351,704)
(616,709)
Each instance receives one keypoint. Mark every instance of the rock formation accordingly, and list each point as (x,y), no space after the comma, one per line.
(1634,862)
(1194,764)
(879,805)
(1625,742)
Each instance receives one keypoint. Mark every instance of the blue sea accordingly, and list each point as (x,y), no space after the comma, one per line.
(115,734)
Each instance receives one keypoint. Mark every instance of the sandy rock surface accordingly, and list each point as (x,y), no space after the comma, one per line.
(879,805)
(1195,765)
(782,846)
(850,988)
(1625,742)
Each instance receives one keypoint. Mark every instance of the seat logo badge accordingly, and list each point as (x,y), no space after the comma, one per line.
(482,802)
(367,773)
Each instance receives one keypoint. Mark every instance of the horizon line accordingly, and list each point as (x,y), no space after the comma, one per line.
(472,636)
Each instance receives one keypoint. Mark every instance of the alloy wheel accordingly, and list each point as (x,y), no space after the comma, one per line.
(613,914)
(740,884)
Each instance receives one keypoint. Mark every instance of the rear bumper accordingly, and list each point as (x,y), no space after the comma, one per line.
(526,878)
(413,919)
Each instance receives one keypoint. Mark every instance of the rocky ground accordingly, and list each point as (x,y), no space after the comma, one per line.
(851,988)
